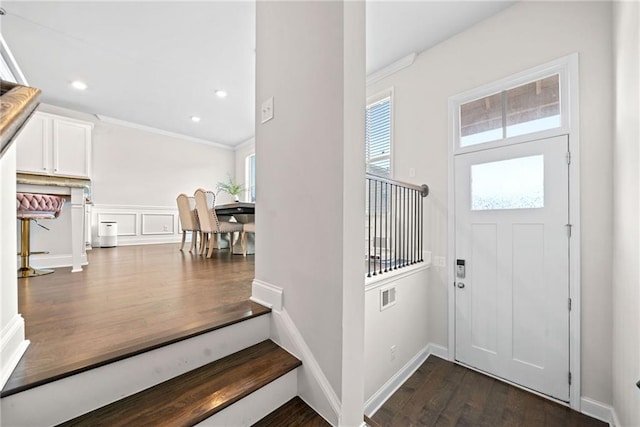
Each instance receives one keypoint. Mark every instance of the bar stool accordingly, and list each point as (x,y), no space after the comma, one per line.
(34,206)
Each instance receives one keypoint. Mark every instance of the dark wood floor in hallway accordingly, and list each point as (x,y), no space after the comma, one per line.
(441,393)
(128,299)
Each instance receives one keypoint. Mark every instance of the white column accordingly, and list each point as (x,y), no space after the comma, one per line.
(77,228)
(310,190)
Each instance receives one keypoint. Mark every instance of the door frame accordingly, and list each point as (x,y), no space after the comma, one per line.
(567,66)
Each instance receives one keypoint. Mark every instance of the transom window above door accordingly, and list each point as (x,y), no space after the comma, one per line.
(527,106)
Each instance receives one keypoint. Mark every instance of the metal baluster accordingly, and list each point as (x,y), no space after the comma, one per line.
(420,229)
(411,227)
(381,227)
(386,227)
(406,226)
(395,225)
(411,231)
(403,226)
(375,223)
(415,227)
(369,224)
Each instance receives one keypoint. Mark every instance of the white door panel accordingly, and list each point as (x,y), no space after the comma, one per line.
(512,316)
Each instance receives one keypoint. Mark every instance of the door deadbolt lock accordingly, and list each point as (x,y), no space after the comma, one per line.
(460,269)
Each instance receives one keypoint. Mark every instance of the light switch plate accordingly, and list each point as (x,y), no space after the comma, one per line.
(267,110)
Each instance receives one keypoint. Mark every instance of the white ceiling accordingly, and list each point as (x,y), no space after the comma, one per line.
(157,63)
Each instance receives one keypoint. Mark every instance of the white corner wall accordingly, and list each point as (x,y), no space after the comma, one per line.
(310,185)
(402,326)
(12,334)
(523,36)
(626,199)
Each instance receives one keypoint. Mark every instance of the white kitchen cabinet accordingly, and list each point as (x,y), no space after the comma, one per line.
(54,145)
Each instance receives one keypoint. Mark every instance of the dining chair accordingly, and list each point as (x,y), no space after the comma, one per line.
(210,225)
(249,227)
(188,220)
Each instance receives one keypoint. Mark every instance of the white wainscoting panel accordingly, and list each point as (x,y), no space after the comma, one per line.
(158,223)
(127,222)
(138,225)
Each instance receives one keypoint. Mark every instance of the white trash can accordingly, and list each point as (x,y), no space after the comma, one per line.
(108,233)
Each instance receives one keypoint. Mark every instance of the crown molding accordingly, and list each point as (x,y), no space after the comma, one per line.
(394,67)
(247,143)
(150,129)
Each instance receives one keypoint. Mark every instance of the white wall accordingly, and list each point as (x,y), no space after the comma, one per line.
(310,182)
(403,325)
(136,176)
(12,335)
(136,167)
(626,230)
(523,36)
(241,153)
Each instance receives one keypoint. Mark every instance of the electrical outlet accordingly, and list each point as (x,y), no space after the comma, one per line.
(392,352)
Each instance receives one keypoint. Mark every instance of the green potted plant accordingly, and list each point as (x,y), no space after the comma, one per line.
(230,187)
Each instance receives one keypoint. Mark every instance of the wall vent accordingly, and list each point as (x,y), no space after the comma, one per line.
(387,297)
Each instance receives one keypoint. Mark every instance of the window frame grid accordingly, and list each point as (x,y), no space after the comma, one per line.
(561,68)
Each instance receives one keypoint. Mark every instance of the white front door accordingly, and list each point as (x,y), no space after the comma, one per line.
(511,234)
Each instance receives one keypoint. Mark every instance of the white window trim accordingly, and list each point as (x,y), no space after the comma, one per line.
(247,175)
(570,127)
(560,67)
(377,97)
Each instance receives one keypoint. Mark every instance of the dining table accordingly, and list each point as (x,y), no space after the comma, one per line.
(243,213)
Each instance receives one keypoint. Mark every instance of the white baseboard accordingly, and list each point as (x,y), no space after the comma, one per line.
(438,350)
(266,294)
(313,386)
(376,401)
(599,410)
(12,345)
(54,260)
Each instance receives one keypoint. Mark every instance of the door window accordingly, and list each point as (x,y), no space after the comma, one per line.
(508,184)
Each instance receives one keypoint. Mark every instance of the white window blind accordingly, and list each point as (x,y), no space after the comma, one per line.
(378,137)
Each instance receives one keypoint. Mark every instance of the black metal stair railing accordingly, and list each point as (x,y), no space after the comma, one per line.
(395,225)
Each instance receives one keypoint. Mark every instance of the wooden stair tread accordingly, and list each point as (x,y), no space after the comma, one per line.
(198,394)
(294,413)
(27,375)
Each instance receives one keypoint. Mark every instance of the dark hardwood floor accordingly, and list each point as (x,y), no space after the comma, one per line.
(441,393)
(127,300)
(294,413)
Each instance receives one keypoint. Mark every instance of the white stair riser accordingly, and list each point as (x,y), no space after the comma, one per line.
(61,400)
(257,405)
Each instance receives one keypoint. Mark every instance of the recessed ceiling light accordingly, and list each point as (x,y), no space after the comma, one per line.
(221,94)
(79,85)
(195,119)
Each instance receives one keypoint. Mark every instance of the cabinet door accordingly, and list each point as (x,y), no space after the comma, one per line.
(33,145)
(71,145)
